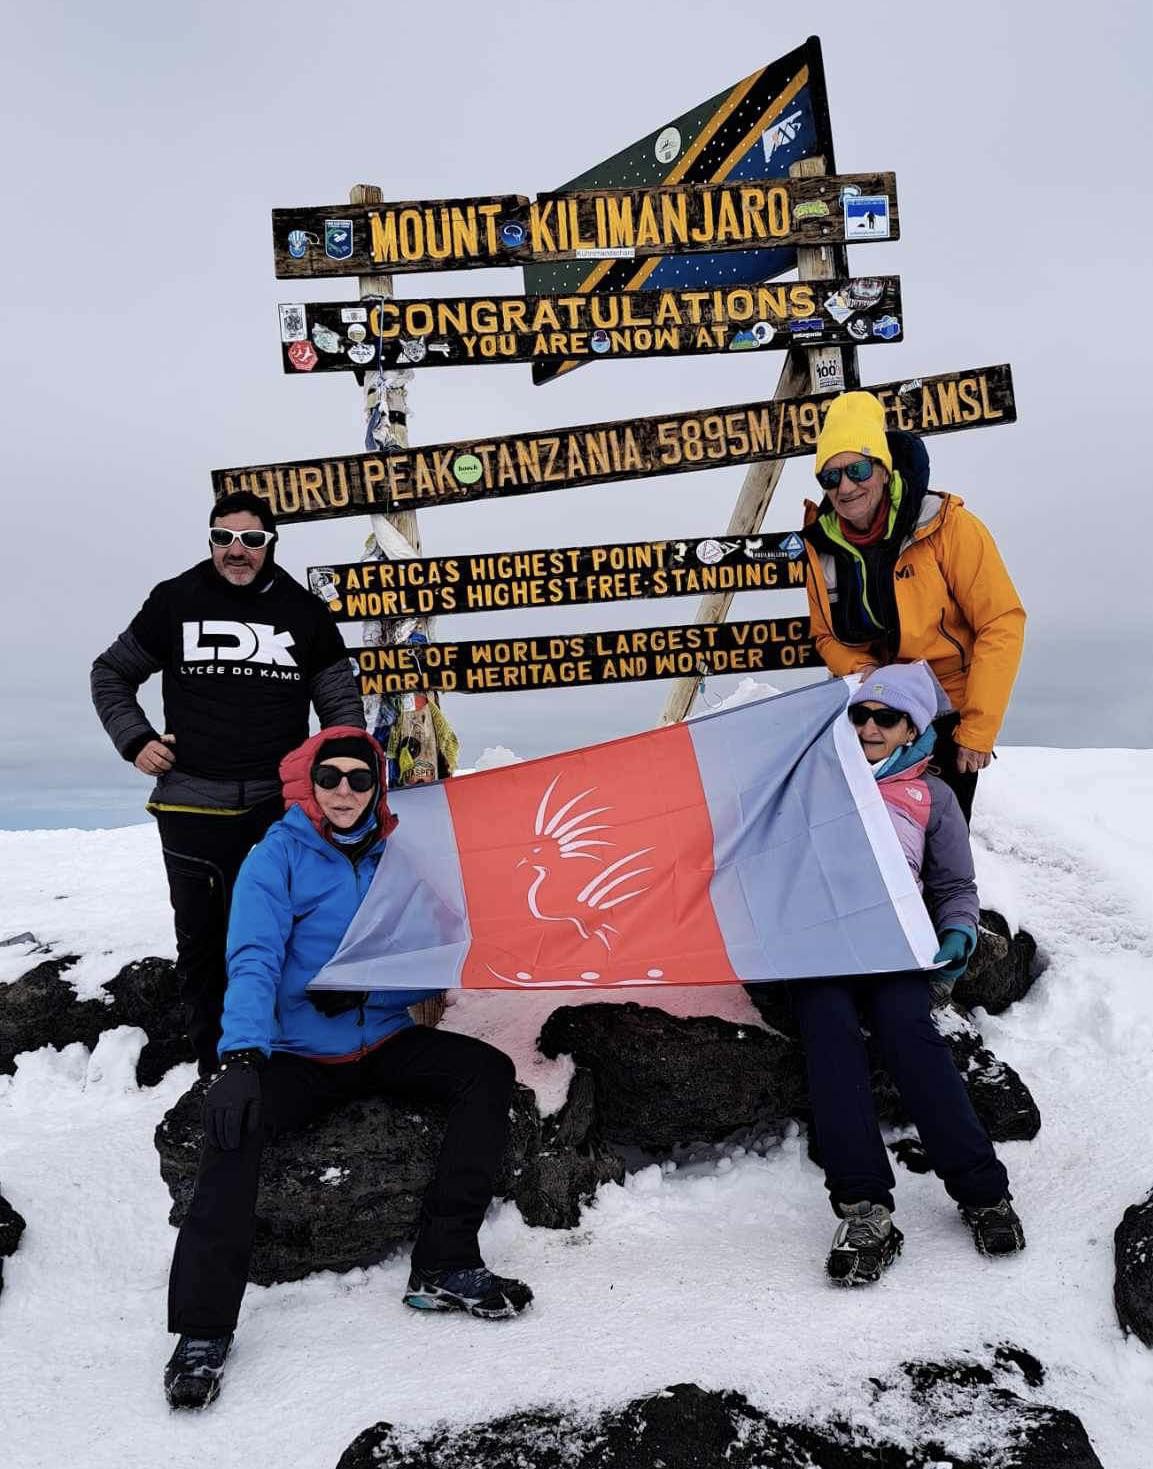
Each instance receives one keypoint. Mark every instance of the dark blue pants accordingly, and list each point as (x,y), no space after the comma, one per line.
(895,1008)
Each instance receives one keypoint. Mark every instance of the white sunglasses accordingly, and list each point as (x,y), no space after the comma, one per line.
(252,540)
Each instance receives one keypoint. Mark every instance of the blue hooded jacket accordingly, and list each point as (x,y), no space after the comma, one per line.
(294,898)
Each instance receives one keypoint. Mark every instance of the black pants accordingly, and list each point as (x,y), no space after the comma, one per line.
(210,1265)
(202,855)
(916,1056)
(962,784)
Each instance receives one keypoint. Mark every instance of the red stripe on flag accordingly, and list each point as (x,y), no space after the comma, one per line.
(590,868)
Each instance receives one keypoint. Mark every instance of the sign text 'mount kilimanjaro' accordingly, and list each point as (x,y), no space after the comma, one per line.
(599,453)
(601,224)
(333,336)
(572,660)
(564,577)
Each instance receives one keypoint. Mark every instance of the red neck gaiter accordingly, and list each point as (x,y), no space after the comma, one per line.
(873,532)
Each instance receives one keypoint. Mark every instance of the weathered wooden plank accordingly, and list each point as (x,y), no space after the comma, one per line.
(572,576)
(335,336)
(572,660)
(599,453)
(599,224)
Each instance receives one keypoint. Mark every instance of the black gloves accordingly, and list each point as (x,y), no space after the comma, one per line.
(337,1002)
(232,1102)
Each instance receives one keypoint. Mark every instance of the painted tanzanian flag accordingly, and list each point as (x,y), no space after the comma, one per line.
(751,844)
(753,130)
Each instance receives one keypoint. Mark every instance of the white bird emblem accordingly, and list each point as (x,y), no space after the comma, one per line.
(565,835)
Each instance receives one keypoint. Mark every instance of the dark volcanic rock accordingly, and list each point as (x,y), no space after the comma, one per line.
(687,1427)
(1133,1266)
(1003,967)
(144,994)
(41,1009)
(659,1080)
(11,1228)
(346,1190)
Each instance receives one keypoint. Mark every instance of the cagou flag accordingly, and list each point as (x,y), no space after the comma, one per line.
(748,845)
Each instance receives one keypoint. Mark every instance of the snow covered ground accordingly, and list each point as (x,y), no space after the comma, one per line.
(711,1275)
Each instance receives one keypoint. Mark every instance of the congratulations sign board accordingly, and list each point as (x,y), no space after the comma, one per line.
(502,665)
(568,577)
(599,453)
(605,224)
(333,336)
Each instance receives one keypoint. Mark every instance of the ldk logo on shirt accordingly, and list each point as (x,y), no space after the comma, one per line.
(237,642)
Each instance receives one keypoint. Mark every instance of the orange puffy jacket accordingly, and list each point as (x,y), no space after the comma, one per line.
(958,610)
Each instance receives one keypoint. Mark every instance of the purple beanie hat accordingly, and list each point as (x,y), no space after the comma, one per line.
(910,687)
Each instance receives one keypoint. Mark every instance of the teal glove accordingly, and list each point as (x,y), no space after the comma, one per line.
(957,944)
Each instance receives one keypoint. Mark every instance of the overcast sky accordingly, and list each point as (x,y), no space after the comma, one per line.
(146,145)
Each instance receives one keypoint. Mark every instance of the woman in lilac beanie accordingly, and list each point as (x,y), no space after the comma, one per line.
(893,712)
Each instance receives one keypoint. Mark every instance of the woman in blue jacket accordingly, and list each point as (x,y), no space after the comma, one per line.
(287,1056)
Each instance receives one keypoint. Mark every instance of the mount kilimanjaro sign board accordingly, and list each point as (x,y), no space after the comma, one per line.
(334,336)
(599,453)
(603,224)
(573,660)
(565,577)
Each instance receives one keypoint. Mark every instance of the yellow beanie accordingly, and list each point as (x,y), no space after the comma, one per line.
(855,421)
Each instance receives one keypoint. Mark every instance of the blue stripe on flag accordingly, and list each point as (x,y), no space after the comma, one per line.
(810,879)
(411,931)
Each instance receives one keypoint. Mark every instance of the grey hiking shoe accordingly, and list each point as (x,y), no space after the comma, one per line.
(477,1291)
(194,1372)
(996,1229)
(866,1242)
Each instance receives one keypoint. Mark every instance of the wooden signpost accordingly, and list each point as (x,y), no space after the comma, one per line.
(343,336)
(564,577)
(505,665)
(601,453)
(601,224)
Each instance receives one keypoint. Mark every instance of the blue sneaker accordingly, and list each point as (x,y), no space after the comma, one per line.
(195,1370)
(476,1290)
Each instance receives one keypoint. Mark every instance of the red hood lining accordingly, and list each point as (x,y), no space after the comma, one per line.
(296,778)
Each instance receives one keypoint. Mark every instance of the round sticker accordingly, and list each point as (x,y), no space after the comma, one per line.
(710,552)
(511,234)
(360,352)
(668,144)
(763,332)
(599,341)
(467,468)
(356,332)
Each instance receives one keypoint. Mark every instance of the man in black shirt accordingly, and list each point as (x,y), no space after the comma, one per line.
(243,650)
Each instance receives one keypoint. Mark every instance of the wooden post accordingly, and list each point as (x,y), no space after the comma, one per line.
(393,537)
(801,373)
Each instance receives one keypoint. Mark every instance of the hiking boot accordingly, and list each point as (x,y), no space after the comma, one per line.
(996,1228)
(195,1370)
(866,1242)
(477,1291)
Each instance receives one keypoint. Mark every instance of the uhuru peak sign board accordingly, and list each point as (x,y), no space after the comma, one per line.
(564,577)
(598,453)
(328,336)
(604,224)
(502,665)
(752,131)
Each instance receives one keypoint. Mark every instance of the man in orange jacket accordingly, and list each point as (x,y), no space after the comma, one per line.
(899,572)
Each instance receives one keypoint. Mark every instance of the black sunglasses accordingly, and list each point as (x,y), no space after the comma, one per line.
(252,540)
(859,471)
(882,718)
(328,777)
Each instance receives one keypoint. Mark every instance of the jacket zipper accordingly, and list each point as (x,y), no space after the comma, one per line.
(949,638)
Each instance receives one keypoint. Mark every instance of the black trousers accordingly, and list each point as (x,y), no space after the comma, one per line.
(963,785)
(210,1264)
(896,1009)
(202,855)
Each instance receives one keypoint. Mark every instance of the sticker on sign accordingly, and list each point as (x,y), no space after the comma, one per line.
(867,217)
